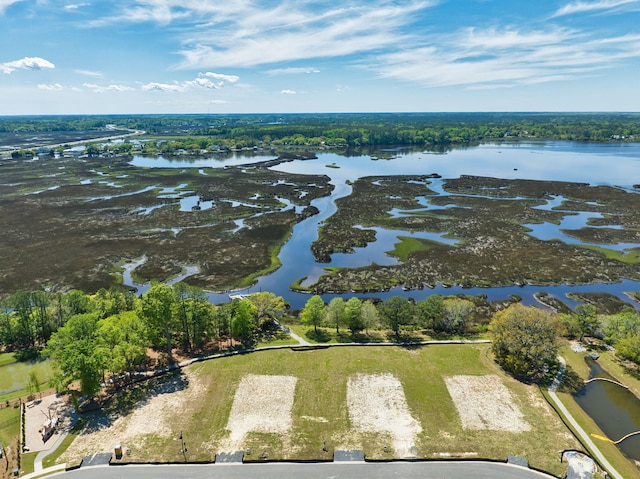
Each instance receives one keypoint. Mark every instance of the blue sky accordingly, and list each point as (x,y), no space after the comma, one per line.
(246,56)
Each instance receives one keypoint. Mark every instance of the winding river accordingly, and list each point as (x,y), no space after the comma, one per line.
(597,164)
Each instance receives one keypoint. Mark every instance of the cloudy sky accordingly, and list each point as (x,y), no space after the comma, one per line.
(244,56)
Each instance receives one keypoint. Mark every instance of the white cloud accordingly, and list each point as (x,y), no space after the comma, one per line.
(292,71)
(171,87)
(54,87)
(221,77)
(260,35)
(207,80)
(212,80)
(581,7)
(489,57)
(101,88)
(26,63)
(6,3)
(75,6)
(288,92)
(205,83)
(89,73)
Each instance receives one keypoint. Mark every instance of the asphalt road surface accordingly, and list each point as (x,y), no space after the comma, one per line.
(404,470)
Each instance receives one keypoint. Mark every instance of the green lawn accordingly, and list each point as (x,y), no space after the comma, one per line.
(7,358)
(321,419)
(52,458)
(9,424)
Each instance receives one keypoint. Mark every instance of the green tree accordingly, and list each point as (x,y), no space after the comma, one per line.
(76,302)
(222,320)
(269,307)
(243,320)
(123,340)
(456,313)
(33,384)
(370,317)
(313,312)
(112,301)
(155,308)
(93,149)
(25,331)
(7,329)
(397,312)
(335,313)
(629,348)
(619,326)
(353,315)
(587,320)
(202,318)
(73,347)
(41,301)
(195,313)
(430,310)
(525,339)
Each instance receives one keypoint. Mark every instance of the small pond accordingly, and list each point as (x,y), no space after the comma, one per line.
(15,376)
(614,409)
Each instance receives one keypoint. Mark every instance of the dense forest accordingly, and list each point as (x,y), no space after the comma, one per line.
(351,130)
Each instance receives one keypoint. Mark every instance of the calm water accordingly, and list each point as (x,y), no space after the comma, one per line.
(614,409)
(598,164)
(15,376)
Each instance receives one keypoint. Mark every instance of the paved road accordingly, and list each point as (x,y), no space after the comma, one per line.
(404,470)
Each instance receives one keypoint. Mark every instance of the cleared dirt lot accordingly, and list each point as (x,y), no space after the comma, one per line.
(483,402)
(377,404)
(288,405)
(262,404)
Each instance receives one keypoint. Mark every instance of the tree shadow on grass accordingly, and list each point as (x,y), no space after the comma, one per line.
(319,336)
(405,339)
(571,382)
(361,337)
(345,338)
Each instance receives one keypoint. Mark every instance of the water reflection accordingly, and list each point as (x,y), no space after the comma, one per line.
(614,409)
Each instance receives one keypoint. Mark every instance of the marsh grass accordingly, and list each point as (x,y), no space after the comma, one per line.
(407,245)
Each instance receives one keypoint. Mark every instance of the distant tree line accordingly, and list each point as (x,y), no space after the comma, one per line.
(352,130)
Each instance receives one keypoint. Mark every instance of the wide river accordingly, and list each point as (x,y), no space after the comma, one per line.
(597,164)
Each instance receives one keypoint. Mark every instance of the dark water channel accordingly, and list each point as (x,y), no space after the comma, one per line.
(614,409)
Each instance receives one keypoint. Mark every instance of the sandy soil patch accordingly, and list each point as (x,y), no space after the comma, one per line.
(261,404)
(151,418)
(483,402)
(377,404)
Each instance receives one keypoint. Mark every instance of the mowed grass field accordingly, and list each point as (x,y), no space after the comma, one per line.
(200,407)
